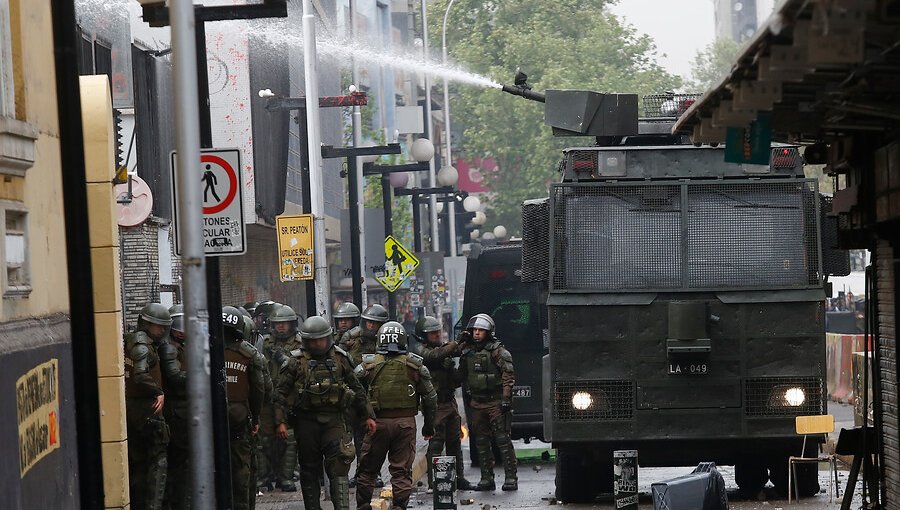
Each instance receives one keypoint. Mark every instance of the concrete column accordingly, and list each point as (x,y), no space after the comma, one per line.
(100,165)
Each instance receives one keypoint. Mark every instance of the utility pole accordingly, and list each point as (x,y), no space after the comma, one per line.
(187,112)
(317,195)
(356,183)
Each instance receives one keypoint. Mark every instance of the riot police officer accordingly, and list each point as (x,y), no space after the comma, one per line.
(245,384)
(172,362)
(398,383)
(148,434)
(346,317)
(278,344)
(257,451)
(359,341)
(362,339)
(447,422)
(316,389)
(488,378)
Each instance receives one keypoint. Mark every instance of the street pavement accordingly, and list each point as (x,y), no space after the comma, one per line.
(536,484)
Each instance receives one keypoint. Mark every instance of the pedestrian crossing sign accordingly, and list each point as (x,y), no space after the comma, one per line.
(399,263)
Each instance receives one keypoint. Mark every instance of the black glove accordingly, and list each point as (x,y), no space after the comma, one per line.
(427,430)
(278,357)
(506,406)
(464,338)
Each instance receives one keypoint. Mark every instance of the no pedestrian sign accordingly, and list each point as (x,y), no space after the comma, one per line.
(398,265)
(295,247)
(219,173)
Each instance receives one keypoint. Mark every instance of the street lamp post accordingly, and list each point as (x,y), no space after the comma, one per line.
(449,161)
(429,125)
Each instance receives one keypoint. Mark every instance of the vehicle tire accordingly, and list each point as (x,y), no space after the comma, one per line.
(807,477)
(751,476)
(577,477)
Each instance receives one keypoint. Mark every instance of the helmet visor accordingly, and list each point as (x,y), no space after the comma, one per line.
(479,323)
(178,323)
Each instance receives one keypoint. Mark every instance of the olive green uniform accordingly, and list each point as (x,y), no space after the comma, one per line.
(488,377)
(148,434)
(280,455)
(398,384)
(357,344)
(447,422)
(245,374)
(314,394)
(172,362)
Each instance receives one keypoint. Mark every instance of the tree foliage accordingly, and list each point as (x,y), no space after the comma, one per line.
(566,44)
(712,63)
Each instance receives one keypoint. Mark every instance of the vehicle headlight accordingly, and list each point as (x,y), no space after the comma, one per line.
(582,400)
(795,397)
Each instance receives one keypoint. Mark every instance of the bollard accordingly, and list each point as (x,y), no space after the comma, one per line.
(625,479)
(444,470)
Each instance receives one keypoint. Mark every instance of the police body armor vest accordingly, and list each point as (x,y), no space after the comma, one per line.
(140,337)
(237,382)
(484,377)
(321,385)
(390,385)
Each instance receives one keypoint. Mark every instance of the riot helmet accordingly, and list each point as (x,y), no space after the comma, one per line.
(250,306)
(152,315)
(391,338)
(177,314)
(373,317)
(249,328)
(233,323)
(280,315)
(346,316)
(261,314)
(243,311)
(426,325)
(484,322)
(314,328)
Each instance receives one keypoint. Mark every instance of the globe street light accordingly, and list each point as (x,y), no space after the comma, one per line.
(448,176)
(479,218)
(500,232)
(471,204)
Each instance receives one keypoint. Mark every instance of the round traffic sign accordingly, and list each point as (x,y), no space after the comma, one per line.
(209,161)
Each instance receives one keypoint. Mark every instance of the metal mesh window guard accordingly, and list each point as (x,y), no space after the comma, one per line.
(693,235)
(667,105)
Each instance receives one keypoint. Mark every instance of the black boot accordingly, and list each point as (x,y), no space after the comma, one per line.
(510,485)
(379,482)
(340,495)
(463,484)
(486,484)
(311,493)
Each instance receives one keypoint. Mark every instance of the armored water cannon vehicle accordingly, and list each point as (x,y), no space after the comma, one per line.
(685,297)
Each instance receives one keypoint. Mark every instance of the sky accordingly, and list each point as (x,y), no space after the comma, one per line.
(679,27)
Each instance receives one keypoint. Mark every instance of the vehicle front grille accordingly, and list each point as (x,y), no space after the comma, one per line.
(536,240)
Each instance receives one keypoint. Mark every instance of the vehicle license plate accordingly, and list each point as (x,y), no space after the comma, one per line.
(688,368)
(521,391)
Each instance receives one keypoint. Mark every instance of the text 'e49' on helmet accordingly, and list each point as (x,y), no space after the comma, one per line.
(233,321)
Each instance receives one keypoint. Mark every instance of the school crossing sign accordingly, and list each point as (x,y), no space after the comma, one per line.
(398,265)
(219,173)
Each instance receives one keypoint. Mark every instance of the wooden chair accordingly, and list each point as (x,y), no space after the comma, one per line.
(809,425)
